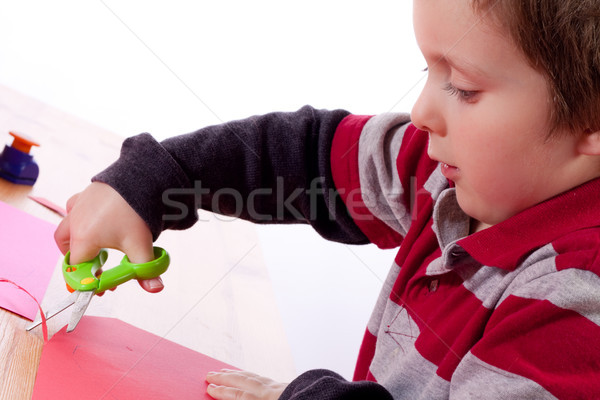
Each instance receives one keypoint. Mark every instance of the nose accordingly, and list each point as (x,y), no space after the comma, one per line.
(425,114)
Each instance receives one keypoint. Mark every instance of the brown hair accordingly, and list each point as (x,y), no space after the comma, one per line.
(560,38)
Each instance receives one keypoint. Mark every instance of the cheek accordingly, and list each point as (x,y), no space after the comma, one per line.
(498,166)
(491,196)
(519,116)
(498,184)
(494,166)
(494,139)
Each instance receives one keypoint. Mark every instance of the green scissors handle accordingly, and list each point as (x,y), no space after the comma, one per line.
(82,277)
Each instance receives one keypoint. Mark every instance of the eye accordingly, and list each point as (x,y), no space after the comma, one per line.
(468,96)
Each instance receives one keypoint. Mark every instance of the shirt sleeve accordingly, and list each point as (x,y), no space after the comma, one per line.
(273,168)
(380,168)
(322,384)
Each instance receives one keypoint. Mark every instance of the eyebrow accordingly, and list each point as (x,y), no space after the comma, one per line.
(461,65)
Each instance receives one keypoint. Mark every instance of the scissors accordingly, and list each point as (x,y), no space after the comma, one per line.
(83,283)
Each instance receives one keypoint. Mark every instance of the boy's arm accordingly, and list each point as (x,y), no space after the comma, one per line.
(273,168)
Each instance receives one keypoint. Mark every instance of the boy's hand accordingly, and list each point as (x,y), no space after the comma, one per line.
(100,218)
(241,385)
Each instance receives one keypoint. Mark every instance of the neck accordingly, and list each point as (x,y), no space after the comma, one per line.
(477,226)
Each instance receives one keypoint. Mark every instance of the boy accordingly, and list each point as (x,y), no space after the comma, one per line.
(491,193)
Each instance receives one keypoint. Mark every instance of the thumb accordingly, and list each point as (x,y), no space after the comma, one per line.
(152,285)
(141,252)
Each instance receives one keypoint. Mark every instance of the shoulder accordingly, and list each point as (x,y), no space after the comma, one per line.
(565,273)
(578,250)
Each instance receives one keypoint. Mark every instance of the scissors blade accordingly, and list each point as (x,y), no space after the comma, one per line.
(63,305)
(82,303)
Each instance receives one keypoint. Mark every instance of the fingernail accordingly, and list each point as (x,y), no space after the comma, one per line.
(156,283)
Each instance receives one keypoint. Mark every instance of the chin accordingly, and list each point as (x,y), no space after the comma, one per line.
(475,211)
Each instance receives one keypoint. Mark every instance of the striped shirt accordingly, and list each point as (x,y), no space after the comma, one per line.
(512,311)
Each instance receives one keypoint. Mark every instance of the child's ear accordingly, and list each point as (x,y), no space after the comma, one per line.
(589,143)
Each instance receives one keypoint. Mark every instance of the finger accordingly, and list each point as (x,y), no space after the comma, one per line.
(82,251)
(232,378)
(225,393)
(247,376)
(245,385)
(152,285)
(71,202)
(62,235)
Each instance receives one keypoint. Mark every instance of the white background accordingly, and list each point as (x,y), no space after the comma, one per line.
(171,67)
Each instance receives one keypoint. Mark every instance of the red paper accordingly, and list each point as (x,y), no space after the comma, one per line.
(105,358)
(42,316)
(49,205)
(29,255)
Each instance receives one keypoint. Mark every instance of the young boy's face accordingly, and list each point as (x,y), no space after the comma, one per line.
(487,113)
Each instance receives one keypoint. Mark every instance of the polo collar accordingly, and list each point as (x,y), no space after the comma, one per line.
(504,245)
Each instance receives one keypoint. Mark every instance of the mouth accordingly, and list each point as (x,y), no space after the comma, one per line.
(449,171)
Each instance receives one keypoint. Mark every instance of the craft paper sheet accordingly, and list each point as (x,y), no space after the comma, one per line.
(105,358)
(28,256)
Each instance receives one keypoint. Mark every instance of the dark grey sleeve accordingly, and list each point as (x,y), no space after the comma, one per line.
(321,384)
(273,168)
